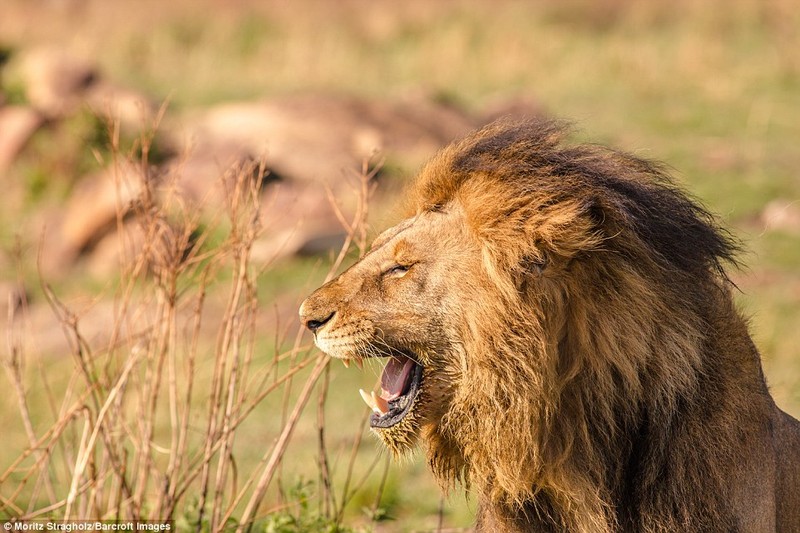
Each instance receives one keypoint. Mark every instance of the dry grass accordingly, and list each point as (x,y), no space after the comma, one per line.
(145,426)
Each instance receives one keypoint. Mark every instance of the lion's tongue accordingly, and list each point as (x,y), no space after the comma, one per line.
(395,377)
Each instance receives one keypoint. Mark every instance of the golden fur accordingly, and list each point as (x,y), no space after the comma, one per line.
(584,366)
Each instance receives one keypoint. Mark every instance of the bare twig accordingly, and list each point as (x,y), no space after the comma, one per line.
(13,366)
(328,500)
(277,454)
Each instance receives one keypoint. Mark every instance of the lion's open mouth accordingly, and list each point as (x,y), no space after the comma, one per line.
(401,382)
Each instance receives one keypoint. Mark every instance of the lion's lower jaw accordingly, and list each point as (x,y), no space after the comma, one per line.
(401,438)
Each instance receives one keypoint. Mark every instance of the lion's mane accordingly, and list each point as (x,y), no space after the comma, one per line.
(610,381)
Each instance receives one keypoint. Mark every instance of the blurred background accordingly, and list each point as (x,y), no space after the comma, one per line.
(145,144)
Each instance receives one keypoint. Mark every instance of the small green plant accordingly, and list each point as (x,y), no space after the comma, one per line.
(302,515)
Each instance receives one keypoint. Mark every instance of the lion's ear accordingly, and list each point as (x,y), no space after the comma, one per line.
(531,266)
(534,264)
(605,217)
(596,212)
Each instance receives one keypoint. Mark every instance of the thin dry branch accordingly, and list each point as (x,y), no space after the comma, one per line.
(13,365)
(248,515)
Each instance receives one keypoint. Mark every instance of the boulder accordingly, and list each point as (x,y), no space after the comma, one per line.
(133,111)
(197,179)
(55,258)
(317,138)
(96,203)
(117,251)
(296,219)
(55,81)
(17,126)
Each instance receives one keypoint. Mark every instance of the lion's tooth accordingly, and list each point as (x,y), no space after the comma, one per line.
(346,363)
(359,362)
(369,401)
(380,403)
(366,397)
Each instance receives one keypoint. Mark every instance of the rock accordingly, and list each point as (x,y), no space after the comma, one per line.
(293,144)
(316,138)
(44,335)
(311,145)
(134,111)
(96,203)
(17,126)
(54,255)
(198,179)
(296,219)
(116,251)
(55,82)
(782,214)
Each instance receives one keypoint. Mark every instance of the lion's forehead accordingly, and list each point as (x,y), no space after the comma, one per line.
(389,234)
(426,228)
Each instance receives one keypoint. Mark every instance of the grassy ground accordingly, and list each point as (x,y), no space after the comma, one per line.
(712,88)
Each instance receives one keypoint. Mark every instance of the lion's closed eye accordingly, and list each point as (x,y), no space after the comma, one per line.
(396,271)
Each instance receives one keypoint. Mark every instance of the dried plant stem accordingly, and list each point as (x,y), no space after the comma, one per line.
(384,476)
(53,435)
(87,446)
(229,331)
(69,323)
(346,494)
(13,366)
(328,500)
(266,477)
(166,504)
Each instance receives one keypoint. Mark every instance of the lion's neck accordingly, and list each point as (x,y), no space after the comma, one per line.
(593,458)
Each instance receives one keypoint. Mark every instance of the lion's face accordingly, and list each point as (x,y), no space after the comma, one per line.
(393,304)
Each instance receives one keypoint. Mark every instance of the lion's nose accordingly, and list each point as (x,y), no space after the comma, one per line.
(314,319)
(314,324)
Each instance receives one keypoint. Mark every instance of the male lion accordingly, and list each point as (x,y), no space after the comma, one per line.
(561,334)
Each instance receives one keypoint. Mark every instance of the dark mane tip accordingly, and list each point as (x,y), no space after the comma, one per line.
(532,156)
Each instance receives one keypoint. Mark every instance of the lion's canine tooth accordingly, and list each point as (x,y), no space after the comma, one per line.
(359,362)
(346,362)
(381,403)
(369,401)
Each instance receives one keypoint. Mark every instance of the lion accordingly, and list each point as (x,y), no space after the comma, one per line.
(560,334)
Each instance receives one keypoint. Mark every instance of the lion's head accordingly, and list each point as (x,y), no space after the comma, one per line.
(398,303)
(538,299)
